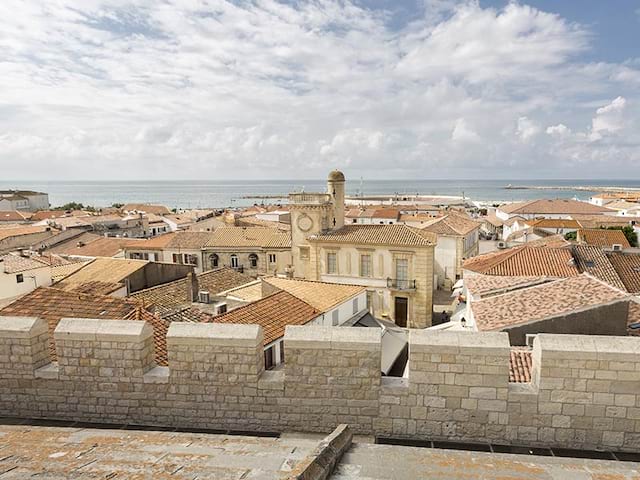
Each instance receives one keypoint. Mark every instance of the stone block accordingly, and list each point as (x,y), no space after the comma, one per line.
(22,327)
(223,334)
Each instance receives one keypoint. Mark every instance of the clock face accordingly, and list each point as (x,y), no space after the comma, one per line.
(305,223)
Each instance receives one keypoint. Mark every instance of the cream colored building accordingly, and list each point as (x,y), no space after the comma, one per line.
(394,262)
(20,275)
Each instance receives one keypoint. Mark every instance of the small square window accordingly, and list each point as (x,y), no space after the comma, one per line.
(19,278)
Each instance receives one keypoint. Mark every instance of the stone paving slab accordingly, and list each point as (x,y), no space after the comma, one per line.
(84,453)
(390,462)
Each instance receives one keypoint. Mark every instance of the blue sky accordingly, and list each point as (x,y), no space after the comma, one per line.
(165,89)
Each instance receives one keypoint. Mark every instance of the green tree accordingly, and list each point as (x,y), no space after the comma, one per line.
(571,236)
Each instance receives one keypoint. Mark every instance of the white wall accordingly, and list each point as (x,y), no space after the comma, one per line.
(345,311)
(10,288)
(445,256)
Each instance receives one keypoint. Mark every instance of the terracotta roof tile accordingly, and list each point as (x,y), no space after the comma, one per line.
(263,237)
(155,243)
(320,295)
(169,297)
(398,235)
(91,245)
(23,230)
(601,237)
(101,276)
(525,260)
(143,207)
(189,240)
(543,301)
(627,266)
(273,313)
(554,223)
(520,365)
(17,263)
(599,221)
(452,224)
(594,261)
(14,216)
(553,207)
(484,285)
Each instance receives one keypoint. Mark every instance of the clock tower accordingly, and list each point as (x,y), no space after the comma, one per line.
(313,213)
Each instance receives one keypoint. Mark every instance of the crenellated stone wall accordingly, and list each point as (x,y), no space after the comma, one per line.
(585,391)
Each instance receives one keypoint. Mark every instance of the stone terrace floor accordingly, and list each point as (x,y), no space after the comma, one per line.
(76,452)
(391,462)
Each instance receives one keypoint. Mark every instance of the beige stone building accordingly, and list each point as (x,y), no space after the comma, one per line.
(394,262)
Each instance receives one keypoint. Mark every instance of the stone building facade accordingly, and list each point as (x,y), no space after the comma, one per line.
(394,262)
(583,392)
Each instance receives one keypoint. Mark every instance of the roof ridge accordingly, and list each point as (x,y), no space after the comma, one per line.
(250,304)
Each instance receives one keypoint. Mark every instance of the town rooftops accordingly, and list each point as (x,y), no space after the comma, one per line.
(525,260)
(594,261)
(493,220)
(388,213)
(554,223)
(147,208)
(156,243)
(453,224)
(627,266)
(484,285)
(168,297)
(17,263)
(22,230)
(14,216)
(543,301)
(101,276)
(92,245)
(320,295)
(272,313)
(553,207)
(261,237)
(601,237)
(599,221)
(395,235)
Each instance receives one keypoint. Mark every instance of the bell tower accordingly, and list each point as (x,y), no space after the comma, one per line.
(335,188)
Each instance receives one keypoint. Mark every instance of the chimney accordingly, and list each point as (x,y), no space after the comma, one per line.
(192,287)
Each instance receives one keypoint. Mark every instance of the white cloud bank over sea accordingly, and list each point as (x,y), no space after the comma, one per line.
(197,89)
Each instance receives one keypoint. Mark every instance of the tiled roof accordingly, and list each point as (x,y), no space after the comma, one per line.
(17,263)
(188,314)
(526,233)
(554,241)
(273,313)
(189,240)
(520,365)
(258,222)
(18,231)
(554,207)
(598,221)
(396,235)
(155,243)
(91,245)
(143,207)
(627,266)
(483,285)
(247,293)
(179,219)
(102,275)
(554,223)
(168,297)
(14,216)
(320,295)
(58,272)
(543,301)
(603,238)
(594,261)
(262,237)
(452,224)
(510,221)
(52,304)
(47,214)
(525,260)
(493,220)
(622,205)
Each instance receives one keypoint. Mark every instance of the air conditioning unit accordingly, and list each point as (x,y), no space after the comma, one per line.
(220,309)
(502,245)
(616,247)
(203,296)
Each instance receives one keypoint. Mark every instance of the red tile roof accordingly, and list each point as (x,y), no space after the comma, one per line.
(601,237)
(627,266)
(525,260)
(553,207)
(520,365)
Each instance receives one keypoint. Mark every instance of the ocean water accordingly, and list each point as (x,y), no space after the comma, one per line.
(218,194)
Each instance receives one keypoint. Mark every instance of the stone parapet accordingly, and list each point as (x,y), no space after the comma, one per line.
(585,391)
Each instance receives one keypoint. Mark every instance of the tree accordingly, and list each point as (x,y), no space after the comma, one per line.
(571,236)
(631,235)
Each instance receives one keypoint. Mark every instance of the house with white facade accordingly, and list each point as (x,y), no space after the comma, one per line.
(23,200)
(20,275)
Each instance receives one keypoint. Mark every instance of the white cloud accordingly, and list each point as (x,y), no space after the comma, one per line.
(527,129)
(191,89)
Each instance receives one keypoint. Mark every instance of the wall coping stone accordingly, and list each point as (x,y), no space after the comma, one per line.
(489,343)
(336,338)
(236,335)
(133,331)
(22,327)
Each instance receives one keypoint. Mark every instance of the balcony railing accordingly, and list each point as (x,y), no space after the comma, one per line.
(401,284)
(309,198)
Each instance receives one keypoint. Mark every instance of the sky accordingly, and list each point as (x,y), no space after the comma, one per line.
(261,89)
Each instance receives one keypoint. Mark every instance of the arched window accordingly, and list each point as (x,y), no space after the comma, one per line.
(214,261)
(253,260)
(234,261)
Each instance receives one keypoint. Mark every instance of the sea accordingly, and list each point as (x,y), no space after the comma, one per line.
(225,194)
